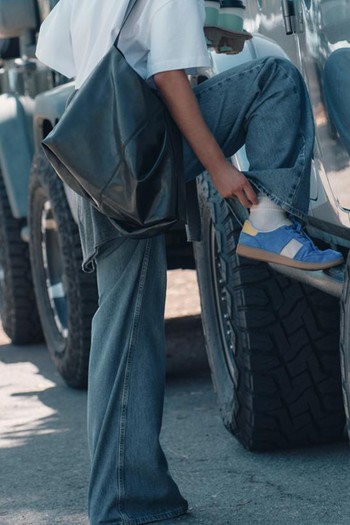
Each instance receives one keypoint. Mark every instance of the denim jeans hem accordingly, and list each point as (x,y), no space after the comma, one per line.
(284,205)
(166,515)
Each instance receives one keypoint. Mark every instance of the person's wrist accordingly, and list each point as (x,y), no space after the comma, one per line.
(218,168)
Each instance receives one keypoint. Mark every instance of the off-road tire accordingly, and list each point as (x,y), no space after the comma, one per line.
(19,315)
(345,342)
(66,296)
(272,343)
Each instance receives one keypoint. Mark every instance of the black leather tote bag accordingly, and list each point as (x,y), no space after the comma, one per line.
(117,145)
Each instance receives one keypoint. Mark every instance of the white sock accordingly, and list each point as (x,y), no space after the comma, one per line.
(267,215)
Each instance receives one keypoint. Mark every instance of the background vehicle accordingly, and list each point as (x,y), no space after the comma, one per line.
(272,334)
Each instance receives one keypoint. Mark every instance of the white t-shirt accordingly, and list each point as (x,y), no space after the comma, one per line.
(160,35)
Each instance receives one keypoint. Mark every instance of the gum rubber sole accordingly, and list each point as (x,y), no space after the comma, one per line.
(262,255)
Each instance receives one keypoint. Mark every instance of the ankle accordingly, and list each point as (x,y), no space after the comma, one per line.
(267,215)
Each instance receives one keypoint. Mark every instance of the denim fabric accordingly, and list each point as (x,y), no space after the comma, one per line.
(130,482)
(262,104)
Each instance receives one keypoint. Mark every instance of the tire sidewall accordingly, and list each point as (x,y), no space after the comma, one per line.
(70,351)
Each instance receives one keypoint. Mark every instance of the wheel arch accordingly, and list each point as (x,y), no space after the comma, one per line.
(48,109)
(258,47)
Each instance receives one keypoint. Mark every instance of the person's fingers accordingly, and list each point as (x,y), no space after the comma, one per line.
(243,199)
(237,185)
(250,193)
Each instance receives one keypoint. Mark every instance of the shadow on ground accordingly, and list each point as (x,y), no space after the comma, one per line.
(43,449)
(44,460)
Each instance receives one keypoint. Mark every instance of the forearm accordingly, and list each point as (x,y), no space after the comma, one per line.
(182,104)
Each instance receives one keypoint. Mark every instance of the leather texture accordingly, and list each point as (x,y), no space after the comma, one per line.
(117,146)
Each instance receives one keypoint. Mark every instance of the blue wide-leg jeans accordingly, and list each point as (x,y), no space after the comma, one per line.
(130,482)
(264,105)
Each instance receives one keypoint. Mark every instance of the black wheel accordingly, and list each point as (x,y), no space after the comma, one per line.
(273,344)
(66,296)
(19,315)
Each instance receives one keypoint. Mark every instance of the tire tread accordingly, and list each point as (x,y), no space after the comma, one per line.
(19,315)
(286,391)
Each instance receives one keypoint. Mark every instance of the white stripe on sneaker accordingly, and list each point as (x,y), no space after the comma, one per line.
(291,249)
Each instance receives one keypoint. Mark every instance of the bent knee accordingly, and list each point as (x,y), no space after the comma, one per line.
(283,70)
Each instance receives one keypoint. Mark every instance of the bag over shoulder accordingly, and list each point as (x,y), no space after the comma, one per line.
(117,145)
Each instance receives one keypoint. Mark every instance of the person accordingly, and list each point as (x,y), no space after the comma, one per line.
(262,104)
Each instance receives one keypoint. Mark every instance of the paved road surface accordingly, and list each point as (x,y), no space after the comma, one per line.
(44,463)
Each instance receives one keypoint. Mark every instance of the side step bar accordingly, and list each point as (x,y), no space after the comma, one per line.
(328,281)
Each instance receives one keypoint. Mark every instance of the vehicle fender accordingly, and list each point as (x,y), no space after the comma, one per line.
(49,107)
(16,149)
(258,47)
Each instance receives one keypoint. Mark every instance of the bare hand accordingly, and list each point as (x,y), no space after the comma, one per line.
(230,182)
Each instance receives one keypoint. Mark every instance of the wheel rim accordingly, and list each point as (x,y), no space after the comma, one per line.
(227,334)
(53,267)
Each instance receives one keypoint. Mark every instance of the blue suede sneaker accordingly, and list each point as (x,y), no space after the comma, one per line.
(287,245)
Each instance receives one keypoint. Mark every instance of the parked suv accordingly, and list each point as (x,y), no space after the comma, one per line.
(272,333)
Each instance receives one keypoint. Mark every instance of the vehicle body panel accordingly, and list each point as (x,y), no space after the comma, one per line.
(16,149)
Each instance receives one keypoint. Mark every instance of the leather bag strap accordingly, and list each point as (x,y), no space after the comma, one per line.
(130,7)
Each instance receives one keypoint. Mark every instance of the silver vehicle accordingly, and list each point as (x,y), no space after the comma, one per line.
(272,334)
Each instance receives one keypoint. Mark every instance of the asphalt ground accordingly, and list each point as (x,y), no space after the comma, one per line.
(43,454)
